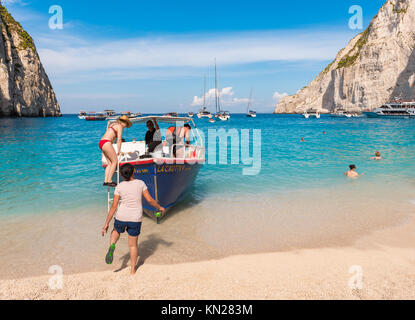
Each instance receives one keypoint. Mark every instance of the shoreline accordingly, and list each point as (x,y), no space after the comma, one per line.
(386,257)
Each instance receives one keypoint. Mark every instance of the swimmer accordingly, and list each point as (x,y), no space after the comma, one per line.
(377,156)
(302,139)
(352,172)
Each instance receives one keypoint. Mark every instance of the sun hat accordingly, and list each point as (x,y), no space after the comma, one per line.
(126,120)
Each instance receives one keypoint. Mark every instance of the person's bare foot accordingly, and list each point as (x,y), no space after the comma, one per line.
(133,272)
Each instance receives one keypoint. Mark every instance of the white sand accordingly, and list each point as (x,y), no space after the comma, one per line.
(387,259)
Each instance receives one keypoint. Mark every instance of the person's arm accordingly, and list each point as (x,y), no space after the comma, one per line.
(119,140)
(111,214)
(153,202)
(156,124)
(188,137)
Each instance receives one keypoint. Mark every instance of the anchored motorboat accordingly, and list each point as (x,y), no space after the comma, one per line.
(82,114)
(341,113)
(395,109)
(96,116)
(311,113)
(168,178)
(172,114)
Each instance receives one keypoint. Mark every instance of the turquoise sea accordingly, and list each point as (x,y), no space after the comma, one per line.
(51,186)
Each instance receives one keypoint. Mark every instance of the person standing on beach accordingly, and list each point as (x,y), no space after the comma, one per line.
(129,215)
(114,131)
(352,172)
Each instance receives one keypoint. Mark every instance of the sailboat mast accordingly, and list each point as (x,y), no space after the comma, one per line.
(216,88)
(204,93)
(250,102)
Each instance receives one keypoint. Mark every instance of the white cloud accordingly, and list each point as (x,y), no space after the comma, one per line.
(278,96)
(227,98)
(71,54)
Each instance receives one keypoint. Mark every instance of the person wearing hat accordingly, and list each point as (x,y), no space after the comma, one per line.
(114,131)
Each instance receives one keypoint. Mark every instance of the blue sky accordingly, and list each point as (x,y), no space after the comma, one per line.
(150,56)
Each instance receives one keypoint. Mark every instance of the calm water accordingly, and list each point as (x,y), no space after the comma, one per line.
(54,164)
(51,187)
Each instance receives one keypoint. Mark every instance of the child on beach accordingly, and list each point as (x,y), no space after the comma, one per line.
(129,214)
(352,172)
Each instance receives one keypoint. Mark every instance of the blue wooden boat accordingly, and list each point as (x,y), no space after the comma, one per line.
(168,178)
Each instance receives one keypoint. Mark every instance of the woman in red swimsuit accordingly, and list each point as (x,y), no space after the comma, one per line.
(114,131)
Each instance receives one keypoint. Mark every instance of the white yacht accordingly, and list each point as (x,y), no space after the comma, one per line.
(249,112)
(395,109)
(341,113)
(220,114)
(82,115)
(204,113)
(311,113)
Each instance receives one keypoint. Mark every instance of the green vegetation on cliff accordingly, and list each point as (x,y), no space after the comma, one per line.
(12,25)
(349,60)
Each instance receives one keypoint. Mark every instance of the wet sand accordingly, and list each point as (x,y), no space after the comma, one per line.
(387,259)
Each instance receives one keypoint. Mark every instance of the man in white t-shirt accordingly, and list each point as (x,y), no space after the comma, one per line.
(129,214)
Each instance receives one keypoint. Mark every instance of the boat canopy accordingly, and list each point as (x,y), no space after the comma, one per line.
(161,119)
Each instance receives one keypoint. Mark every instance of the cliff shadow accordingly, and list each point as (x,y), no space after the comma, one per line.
(328,96)
(405,84)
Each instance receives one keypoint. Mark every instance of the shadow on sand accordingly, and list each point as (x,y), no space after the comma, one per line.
(146,249)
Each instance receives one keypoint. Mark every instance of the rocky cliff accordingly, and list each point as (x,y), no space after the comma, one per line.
(378,65)
(25,89)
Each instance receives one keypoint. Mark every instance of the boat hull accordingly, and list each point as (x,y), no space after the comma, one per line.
(376,115)
(167,183)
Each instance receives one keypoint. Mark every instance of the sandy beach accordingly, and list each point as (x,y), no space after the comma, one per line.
(386,259)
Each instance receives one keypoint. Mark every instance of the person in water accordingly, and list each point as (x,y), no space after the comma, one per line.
(178,136)
(377,156)
(352,172)
(129,215)
(114,131)
(153,136)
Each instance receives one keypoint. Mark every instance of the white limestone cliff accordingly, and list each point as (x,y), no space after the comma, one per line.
(378,65)
(25,89)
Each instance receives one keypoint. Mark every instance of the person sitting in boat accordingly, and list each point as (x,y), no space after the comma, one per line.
(129,215)
(178,136)
(352,172)
(153,136)
(114,131)
(377,156)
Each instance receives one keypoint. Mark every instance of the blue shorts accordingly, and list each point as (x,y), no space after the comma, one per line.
(133,228)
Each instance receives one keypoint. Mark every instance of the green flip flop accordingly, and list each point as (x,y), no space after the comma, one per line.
(110,255)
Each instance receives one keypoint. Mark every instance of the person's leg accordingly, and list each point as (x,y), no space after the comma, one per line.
(110,154)
(119,227)
(115,236)
(133,244)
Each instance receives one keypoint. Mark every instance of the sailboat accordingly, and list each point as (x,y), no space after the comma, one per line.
(204,113)
(220,114)
(249,112)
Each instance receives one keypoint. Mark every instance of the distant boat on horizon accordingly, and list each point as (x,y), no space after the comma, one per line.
(249,112)
(311,113)
(204,113)
(220,114)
